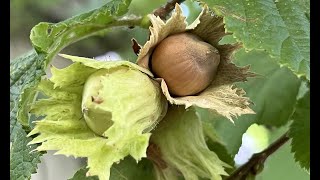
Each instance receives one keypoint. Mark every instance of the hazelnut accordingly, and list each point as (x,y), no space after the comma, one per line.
(186,63)
(122,95)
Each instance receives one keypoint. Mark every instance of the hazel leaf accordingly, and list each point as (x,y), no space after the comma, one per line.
(127,169)
(281,28)
(81,174)
(300,132)
(23,162)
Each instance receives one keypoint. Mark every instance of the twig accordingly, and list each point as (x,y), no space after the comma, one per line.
(257,160)
(162,12)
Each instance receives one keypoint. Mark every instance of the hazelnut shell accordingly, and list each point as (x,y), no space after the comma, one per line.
(186,63)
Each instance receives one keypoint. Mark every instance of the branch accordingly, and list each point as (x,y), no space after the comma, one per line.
(256,162)
(162,12)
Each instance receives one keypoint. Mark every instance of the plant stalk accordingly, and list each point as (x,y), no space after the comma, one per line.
(255,164)
(163,11)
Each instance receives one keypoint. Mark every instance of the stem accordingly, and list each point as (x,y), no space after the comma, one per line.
(162,12)
(133,21)
(257,160)
(54,49)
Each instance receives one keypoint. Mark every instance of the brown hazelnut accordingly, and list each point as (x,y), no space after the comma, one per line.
(186,63)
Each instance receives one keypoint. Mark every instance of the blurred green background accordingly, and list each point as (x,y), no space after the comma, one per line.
(116,44)
(280,165)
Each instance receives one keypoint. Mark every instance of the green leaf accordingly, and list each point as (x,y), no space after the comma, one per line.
(300,132)
(127,169)
(48,39)
(304,88)
(273,93)
(279,27)
(51,38)
(25,71)
(23,163)
(305,6)
(81,174)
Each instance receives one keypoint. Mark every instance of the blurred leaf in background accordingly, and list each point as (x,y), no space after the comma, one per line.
(255,140)
(277,166)
(281,164)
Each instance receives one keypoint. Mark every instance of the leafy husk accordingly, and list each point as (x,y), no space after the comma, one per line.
(136,108)
(221,95)
(178,148)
